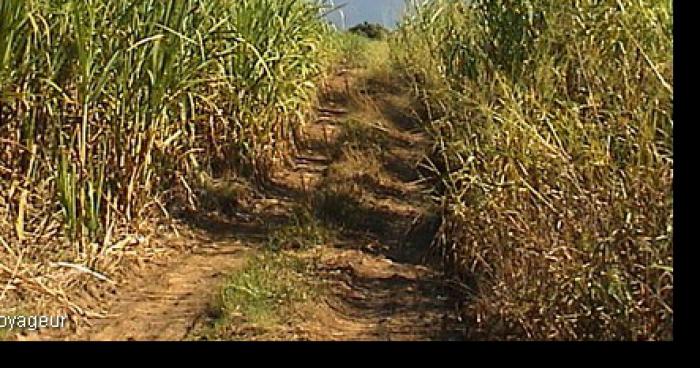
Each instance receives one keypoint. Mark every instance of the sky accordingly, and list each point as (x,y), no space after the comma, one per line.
(385,12)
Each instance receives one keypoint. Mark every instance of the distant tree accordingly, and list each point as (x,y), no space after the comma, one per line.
(370,30)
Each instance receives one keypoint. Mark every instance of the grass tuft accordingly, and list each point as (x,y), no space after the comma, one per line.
(261,296)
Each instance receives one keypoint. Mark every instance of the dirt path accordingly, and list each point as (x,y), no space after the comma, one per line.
(381,285)
(358,172)
(163,302)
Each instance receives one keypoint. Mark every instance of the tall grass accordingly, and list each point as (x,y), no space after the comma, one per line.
(107,105)
(553,160)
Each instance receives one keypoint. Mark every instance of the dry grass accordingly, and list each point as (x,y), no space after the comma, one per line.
(553,151)
(109,110)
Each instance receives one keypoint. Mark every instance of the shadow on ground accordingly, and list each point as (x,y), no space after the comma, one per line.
(356,173)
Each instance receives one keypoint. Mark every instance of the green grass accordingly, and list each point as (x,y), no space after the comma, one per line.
(262,295)
(261,298)
(351,46)
(361,52)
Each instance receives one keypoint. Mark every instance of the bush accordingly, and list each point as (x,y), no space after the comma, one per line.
(370,30)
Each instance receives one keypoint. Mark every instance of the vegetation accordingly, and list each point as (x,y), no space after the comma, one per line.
(553,155)
(303,232)
(552,160)
(260,296)
(370,30)
(109,109)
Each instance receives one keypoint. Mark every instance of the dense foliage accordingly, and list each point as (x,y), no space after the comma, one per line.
(108,107)
(553,159)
